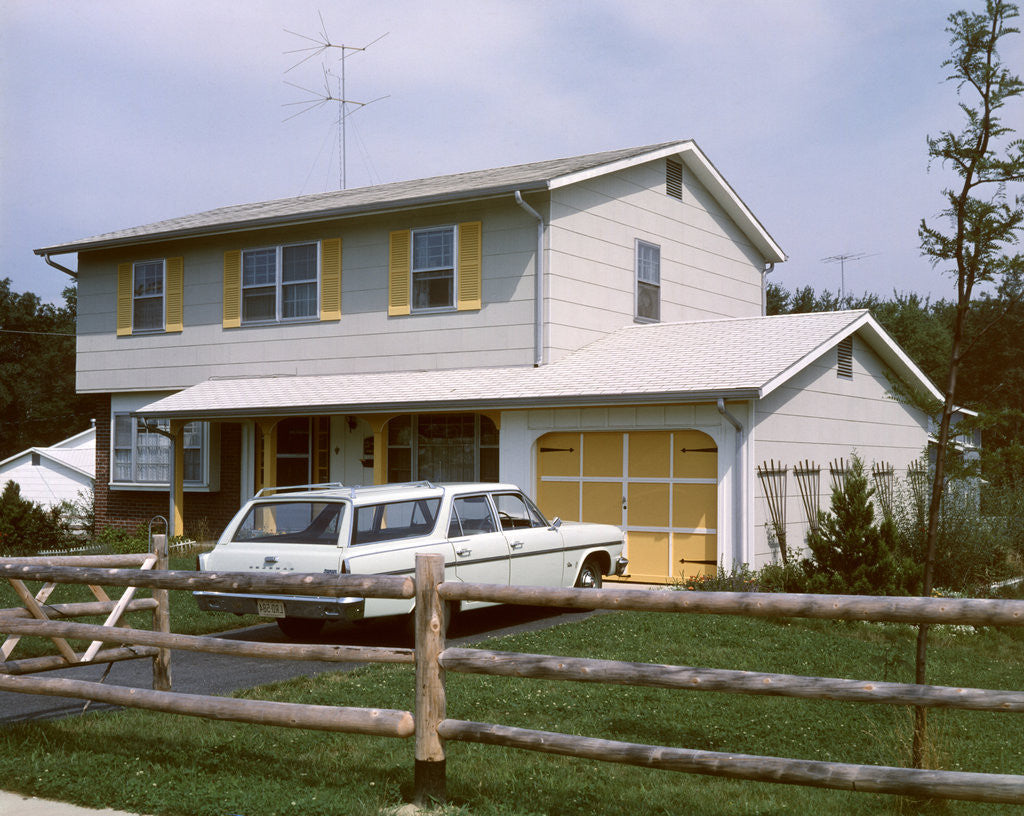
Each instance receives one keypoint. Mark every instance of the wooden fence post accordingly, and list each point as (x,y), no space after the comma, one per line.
(430,782)
(161,618)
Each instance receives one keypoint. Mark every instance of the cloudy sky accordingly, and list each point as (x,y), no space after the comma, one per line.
(117,113)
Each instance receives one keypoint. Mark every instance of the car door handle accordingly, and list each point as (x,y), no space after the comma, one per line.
(465,552)
(517,545)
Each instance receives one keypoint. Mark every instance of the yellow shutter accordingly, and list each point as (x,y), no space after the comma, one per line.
(124,299)
(174,293)
(330,279)
(470,289)
(399,266)
(232,289)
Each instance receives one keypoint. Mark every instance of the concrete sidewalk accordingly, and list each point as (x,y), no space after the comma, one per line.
(15,804)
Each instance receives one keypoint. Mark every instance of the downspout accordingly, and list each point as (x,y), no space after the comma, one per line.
(538,295)
(766,270)
(737,481)
(63,269)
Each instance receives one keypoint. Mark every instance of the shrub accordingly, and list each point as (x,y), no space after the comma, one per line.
(116,540)
(26,527)
(981,537)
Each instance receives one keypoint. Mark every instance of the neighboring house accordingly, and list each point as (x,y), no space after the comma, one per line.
(590,328)
(54,474)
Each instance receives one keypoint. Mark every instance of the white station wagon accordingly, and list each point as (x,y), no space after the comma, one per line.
(488,534)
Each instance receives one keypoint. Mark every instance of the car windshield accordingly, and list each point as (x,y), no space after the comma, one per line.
(395,520)
(300,522)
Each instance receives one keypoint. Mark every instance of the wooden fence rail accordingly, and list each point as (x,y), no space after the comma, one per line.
(1000,788)
(430,726)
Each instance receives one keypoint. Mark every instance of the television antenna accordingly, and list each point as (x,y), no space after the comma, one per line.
(841,260)
(318,98)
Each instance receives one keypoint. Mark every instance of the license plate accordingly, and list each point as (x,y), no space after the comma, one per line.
(270,609)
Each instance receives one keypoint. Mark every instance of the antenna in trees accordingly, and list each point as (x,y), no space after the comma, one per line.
(321,45)
(841,260)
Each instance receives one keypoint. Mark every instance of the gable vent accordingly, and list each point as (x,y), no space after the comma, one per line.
(844,358)
(674,179)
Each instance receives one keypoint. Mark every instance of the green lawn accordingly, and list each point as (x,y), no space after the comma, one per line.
(165,764)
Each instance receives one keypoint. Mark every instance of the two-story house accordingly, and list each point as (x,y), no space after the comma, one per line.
(591,328)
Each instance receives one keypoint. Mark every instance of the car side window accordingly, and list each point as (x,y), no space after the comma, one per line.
(471,515)
(394,520)
(514,512)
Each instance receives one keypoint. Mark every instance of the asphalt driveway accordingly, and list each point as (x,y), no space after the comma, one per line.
(199,673)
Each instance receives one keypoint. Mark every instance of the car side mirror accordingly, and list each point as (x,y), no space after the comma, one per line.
(555,524)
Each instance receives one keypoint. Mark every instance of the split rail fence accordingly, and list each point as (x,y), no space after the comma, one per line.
(430,726)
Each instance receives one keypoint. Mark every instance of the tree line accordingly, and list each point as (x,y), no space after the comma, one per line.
(38,403)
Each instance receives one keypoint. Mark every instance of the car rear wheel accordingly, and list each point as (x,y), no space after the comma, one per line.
(590,575)
(300,628)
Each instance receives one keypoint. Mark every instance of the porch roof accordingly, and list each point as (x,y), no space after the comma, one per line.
(741,358)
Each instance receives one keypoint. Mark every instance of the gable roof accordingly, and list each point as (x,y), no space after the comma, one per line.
(479,184)
(74,453)
(738,358)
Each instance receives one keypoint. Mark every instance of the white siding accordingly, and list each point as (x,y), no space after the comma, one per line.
(48,483)
(821,417)
(708,267)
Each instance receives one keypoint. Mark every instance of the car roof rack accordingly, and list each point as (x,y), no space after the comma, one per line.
(271,491)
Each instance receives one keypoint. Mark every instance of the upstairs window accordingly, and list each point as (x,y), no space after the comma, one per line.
(148,296)
(648,282)
(280,284)
(433,268)
(142,455)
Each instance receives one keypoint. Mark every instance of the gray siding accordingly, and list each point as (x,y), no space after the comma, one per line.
(822,417)
(709,268)
(365,339)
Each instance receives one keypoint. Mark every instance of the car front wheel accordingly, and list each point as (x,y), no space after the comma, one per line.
(590,575)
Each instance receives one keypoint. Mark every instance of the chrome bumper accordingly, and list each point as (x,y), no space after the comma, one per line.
(295,606)
(620,565)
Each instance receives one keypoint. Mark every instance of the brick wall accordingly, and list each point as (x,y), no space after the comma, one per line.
(131,509)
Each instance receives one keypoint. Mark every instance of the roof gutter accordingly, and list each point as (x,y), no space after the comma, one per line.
(766,270)
(538,293)
(738,514)
(55,265)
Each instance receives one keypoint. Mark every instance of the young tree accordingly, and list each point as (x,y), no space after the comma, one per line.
(982,222)
(850,552)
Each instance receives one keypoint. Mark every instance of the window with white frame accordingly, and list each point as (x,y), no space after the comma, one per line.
(648,281)
(433,268)
(281,283)
(142,455)
(148,296)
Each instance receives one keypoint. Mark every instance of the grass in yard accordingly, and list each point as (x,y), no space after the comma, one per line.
(164,764)
(186,617)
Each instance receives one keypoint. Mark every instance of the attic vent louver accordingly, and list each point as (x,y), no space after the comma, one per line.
(844,358)
(674,179)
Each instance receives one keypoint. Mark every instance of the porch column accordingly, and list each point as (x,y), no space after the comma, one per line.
(267,429)
(176,477)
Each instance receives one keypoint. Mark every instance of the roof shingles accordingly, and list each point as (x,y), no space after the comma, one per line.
(731,357)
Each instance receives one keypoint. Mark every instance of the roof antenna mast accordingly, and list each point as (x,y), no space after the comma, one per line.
(841,260)
(320,48)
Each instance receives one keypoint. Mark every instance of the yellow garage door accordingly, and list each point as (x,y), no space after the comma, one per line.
(661,487)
